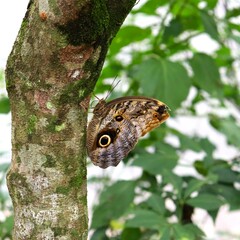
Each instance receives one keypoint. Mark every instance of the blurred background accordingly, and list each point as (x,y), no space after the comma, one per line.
(182,180)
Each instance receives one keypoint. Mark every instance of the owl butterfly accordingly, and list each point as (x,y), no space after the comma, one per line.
(117,125)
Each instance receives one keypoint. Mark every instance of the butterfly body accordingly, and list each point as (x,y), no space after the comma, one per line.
(117,125)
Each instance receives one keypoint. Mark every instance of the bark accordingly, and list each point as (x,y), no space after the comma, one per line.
(51,71)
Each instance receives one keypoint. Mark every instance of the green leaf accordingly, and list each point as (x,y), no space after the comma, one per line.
(226,175)
(228,127)
(4,105)
(236,38)
(2,77)
(157,162)
(158,76)
(128,35)
(209,25)
(211,3)
(207,146)
(213,214)
(193,186)
(181,232)
(4,167)
(131,233)
(166,233)
(157,203)
(224,172)
(235,12)
(173,29)
(99,234)
(233,93)
(171,178)
(7,225)
(113,203)
(206,201)
(198,233)
(231,130)
(147,219)
(200,167)
(150,7)
(118,190)
(206,74)
(188,142)
(231,195)
(223,57)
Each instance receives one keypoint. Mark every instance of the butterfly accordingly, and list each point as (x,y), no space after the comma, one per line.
(117,125)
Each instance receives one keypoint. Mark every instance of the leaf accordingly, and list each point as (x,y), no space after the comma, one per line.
(236,38)
(213,214)
(200,167)
(181,232)
(4,105)
(128,35)
(233,93)
(206,201)
(231,130)
(150,7)
(156,163)
(231,195)
(231,13)
(171,178)
(157,77)
(188,142)
(147,219)
(157,203)
(173,29)
(4,167)
(226,175)
(166,233)
(2,78)
(7,225)
(99,234)
(223,57)
(211,3)
(113,203)
(228,127)
(198,233)
(207,146)
(193,186)
(224,172)
(206,74)
(118,190)
(131,233)
(209,25)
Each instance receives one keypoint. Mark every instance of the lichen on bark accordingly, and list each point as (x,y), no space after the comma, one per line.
(51,71)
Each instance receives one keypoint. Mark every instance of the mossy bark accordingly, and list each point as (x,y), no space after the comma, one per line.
(51,71)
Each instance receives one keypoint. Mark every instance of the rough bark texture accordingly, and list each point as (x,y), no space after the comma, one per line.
(53,67)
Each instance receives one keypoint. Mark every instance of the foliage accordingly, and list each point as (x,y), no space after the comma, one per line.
(5,205)
(162,60)
(4,102)
(6,223)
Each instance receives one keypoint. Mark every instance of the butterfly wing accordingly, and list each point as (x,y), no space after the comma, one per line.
(116,126)
(112,142)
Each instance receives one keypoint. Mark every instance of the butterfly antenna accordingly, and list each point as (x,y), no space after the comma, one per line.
(96,96)
(92,104)
(113,87)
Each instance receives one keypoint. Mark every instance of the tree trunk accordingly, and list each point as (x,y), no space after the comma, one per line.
(51,71)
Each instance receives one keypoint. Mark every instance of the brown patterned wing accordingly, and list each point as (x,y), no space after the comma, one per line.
(116,126)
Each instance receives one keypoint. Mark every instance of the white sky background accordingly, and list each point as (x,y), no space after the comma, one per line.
(11,15)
